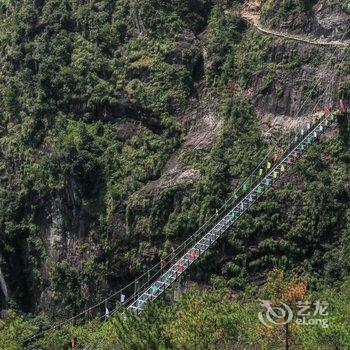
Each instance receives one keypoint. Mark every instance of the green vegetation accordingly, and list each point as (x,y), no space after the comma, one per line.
(71,74)
(91,111)
(281,9)
(207,319)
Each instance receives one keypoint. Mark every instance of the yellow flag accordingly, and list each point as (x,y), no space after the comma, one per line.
(268,165)
(283,168)
(275,174)
(260,172)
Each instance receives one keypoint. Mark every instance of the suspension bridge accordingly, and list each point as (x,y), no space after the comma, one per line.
(253,188)
(158,279)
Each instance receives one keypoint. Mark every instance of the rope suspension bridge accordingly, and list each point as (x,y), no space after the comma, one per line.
(271,168)
(253,188)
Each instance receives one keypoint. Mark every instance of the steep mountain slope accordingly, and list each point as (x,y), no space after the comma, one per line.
(125,125)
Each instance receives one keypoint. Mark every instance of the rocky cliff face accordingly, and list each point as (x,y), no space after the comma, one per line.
(328,19)
(292,89)
(296,75)
(4,289)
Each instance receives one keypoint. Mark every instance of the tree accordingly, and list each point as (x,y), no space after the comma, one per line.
(290,291)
